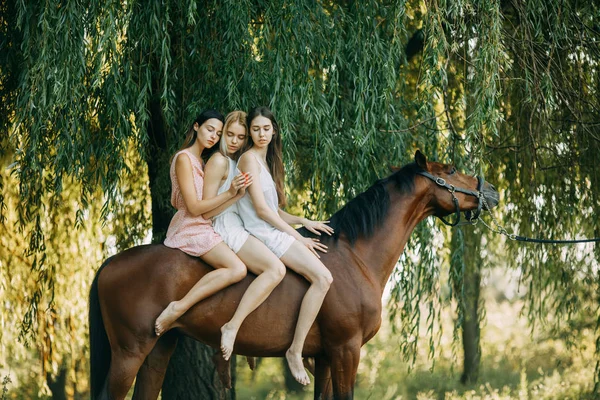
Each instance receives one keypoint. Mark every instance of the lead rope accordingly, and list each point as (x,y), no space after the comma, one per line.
(502,231)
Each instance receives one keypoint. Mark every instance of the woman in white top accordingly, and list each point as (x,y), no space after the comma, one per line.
(219,172)
(262,217)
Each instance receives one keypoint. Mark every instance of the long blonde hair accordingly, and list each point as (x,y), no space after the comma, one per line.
(274,151)
(233,117)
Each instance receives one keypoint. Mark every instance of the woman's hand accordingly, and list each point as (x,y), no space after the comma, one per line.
(314,245)
(316,226)
(239,184)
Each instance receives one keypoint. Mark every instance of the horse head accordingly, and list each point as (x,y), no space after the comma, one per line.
(453,191)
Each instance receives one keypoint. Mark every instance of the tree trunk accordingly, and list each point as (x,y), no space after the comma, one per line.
(192,375)
(158,172)
(58,385)
(471,329)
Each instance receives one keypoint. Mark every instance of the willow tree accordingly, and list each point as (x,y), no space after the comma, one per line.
(79,81)
(518,82)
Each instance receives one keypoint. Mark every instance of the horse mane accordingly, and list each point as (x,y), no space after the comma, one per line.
(363,214)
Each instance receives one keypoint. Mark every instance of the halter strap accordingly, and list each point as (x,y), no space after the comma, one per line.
(442,182)
(471,218)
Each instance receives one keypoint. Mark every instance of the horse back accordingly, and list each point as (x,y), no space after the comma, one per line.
(140,282)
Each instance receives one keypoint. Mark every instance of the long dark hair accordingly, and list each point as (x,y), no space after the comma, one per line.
(191,134)
(274,151)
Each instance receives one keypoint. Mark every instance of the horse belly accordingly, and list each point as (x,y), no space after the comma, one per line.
(266,332)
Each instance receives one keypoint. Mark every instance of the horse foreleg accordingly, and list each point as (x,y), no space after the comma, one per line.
(152,372)
(322,375)
(344,364)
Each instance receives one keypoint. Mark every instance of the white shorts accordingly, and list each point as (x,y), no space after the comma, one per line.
(277,241)
(230,227)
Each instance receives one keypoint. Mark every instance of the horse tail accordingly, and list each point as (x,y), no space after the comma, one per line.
(99,345)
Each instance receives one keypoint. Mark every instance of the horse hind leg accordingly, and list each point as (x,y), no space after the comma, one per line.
(122,371)
(152,372)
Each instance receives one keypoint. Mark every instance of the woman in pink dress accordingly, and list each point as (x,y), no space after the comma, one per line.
(189,231)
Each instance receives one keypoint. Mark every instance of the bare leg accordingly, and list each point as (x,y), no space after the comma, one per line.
(229,269)
(270,270)
(303,261)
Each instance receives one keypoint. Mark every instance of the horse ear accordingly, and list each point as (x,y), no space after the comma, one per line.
(420,159)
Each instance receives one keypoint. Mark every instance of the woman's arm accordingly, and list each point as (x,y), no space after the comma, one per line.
(216,169)
(313,226)
(291,219)
(249,164)
(185,177)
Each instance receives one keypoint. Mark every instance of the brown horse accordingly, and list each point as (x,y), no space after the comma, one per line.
(133,287)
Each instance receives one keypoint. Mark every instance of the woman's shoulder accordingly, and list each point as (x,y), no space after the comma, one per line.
(182,158)
(247,159)
(217,160)
(185,161)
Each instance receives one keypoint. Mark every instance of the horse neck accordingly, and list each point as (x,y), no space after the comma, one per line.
(382,250)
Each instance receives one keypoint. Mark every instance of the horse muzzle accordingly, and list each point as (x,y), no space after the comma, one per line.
(491,195)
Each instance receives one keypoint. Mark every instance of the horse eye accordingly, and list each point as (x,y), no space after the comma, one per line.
(452,171)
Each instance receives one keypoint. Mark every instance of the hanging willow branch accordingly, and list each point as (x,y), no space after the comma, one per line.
(82,83)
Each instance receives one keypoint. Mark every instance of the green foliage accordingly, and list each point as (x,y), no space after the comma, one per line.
(329,72)
(534,66)
(74,250)
(5,382)
(92,91)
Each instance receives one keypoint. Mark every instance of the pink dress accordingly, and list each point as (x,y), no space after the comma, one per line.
(193,235)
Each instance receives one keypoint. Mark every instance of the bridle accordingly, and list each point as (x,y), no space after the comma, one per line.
(471,217)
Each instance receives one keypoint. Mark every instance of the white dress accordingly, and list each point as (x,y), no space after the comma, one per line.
(228,223)
(277,241)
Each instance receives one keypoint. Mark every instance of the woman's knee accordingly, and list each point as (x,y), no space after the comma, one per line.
(324,279)
(277,270)
(238,271)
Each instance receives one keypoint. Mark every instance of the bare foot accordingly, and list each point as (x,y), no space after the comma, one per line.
(165,319)
(295,362)
(228,334)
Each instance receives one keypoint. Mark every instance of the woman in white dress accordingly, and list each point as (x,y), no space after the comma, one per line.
(220,171)
(260,211)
